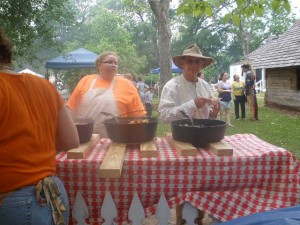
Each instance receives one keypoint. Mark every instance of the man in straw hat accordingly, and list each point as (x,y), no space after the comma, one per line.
(187,93)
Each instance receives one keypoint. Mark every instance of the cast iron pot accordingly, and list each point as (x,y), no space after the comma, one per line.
(122,131)
(203,132)
(85,128)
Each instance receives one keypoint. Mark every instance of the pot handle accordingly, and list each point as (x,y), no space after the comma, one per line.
(187,115)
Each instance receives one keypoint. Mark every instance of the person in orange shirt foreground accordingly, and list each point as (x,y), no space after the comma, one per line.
(105,92)
(34,126)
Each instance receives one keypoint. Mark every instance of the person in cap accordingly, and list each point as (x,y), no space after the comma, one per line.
(250,91)
(187,92)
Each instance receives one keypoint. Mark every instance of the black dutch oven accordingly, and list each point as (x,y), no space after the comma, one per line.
(199,134)
(84,128)
(131,130)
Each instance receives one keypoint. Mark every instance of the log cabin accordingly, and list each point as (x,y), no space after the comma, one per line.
(277,65)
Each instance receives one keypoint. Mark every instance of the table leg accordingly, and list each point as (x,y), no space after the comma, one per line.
(180,221)
(179,214)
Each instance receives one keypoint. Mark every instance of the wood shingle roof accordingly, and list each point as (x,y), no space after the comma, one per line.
(281,52)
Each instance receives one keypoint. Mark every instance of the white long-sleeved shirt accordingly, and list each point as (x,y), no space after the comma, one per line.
(178,95)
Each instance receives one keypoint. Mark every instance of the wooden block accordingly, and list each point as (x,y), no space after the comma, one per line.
(148,149)
(82,150)
(221,148)
(168,135)
(183,148)
(112,164)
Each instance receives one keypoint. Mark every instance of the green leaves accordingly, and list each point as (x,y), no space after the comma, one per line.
(259,9)
(278,5)
(287,6)
(196,8)
(236,19)
(232,11)
(275,5)
(227,18)
(32,24)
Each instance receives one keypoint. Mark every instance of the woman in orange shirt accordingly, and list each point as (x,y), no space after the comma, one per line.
(35,124)
(105,92)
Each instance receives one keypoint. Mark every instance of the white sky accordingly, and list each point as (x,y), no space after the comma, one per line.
(295,5)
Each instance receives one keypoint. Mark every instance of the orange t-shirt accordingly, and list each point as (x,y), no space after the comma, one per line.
(29,106)
(126,95)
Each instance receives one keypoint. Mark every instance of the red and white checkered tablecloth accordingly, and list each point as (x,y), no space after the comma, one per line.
(258,177)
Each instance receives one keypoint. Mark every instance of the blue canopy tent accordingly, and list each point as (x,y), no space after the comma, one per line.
(77,59)
(175,69)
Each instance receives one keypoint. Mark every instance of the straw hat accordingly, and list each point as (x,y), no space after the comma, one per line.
(192,51)
(246,65)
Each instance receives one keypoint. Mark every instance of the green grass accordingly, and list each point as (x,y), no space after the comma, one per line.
(276,128)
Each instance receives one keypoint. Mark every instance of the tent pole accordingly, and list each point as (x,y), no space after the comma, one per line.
(55,75)
(158,87)
(47,74)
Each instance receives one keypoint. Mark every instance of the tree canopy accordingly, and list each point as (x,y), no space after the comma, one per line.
(144,33)
(233,9)
(31,24)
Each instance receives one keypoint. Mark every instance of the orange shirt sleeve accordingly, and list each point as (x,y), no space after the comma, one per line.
(79,92)
(127,97)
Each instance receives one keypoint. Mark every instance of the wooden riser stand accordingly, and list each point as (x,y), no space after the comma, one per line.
(220,148)
(112,164)
(82,150)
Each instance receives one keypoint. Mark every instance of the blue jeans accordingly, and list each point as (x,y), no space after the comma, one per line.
(21,207)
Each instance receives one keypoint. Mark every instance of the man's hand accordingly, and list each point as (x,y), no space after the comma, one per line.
(200,102)
(214,111)
(215,100)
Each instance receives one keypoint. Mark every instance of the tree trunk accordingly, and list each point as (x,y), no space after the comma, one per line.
(245,38)
(160,9)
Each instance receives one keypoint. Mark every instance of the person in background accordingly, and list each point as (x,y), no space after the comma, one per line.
(239,97)
(201,75)
(224,90)
(105,95)
(141,86)
(250,91)
(133,81)
(243,75)
(189,94)
(35,125)
(157,88)
(130,77)
(148,100)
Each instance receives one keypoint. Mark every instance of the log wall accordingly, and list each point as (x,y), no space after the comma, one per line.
(281,88)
